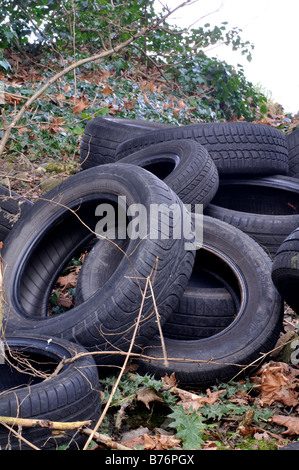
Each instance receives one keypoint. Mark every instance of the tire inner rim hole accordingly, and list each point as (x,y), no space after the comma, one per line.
(212,271)
(257,199)
(23,368)
(161,165)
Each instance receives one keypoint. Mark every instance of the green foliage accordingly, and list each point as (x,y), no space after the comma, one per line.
(190,427)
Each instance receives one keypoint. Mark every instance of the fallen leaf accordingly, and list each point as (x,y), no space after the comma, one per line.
(160,442)
(68,281)
(189,399)
(64,301)
(107,90)
(146,395)
(80,105)
(67,88)
(291,423)
(278,382)
(171,381)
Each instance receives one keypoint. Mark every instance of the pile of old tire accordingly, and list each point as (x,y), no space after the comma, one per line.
(218,307)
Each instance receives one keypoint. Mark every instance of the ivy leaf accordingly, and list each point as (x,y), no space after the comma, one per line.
(190,427)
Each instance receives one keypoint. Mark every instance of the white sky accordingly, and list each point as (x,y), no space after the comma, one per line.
(271,25)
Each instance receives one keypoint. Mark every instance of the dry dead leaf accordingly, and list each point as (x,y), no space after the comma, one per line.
(291,423)
(64,300)
(107,91)
(189,399)
(160,442)
(67,88)
(146,395)
(68,281)
(278,382)
(169,380)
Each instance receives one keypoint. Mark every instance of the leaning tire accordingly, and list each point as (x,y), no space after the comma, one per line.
(285,270)
(266,208)
(70,395)
(254,331)
(57,227)
(235,147)
(184,165)
(12,206)
(102,136)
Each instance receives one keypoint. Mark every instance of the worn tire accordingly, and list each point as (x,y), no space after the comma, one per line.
(254,331)
(235,147)
(292,141)
(36,250)
(184,165)
(12,206)
(285,270)
(72,394)
(102,136)
(266,208)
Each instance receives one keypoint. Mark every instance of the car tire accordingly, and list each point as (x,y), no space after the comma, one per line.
(239,348)
(71,394)
(285,270)
(64,220)
(102,136)
(184,165)
(235,147)
(292,141)
(266,208)
(207,306)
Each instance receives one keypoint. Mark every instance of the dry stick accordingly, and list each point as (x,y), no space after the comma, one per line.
(44,423)
(77,64)
(159,326)
(121,372)
(19,436)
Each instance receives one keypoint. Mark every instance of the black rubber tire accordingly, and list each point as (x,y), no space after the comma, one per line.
(254,331)
(285,270)
(36,250)
(103,135)
(207,306)
(266,208)
(292,141)
(291,446)
(184,165)
(12,206)
(71,395)
(235,147)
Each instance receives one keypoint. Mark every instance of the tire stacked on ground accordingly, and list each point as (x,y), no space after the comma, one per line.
(58,226)
(33,386)
(103,135)
(266,208)
(235,147)
(292,141)
(285,270)
(218,308)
